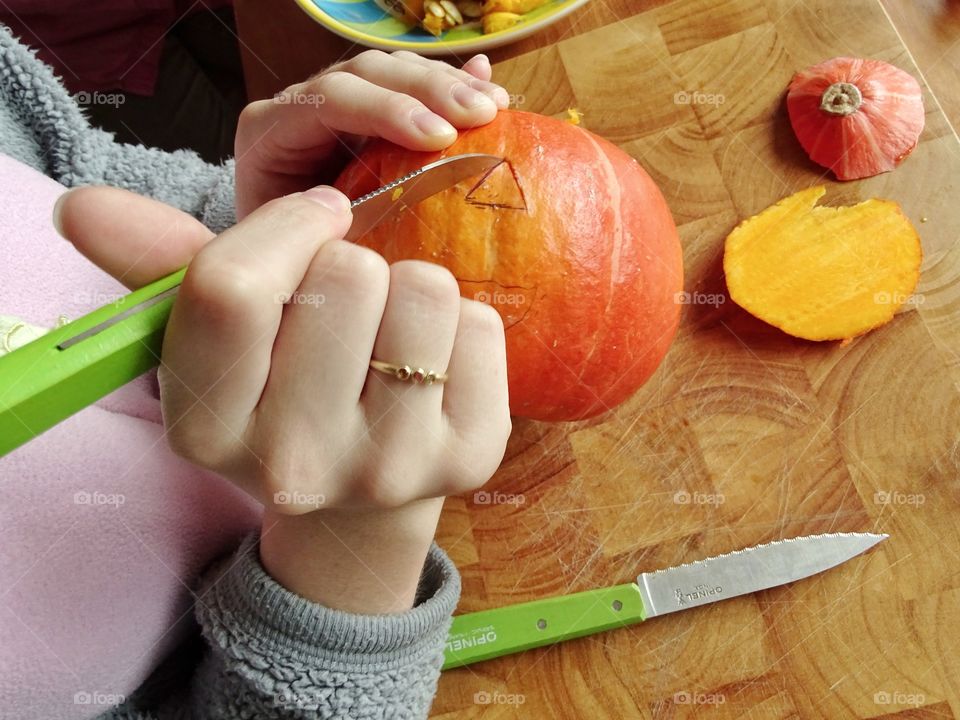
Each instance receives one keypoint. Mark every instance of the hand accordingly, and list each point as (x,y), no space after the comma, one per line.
(278,397)
(305,135)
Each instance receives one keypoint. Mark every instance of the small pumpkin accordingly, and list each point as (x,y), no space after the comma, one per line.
(856,117)
(569,239)
(823,273)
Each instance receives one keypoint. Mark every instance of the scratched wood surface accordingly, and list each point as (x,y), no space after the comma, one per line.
(744,435)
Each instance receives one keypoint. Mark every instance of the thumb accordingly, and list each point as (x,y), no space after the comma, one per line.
(133,238)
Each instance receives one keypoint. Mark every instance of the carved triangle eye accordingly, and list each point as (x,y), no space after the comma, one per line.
(499,188)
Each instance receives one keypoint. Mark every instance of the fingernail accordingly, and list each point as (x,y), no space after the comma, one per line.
(481,58)
(57,210)
(431,124)
(500,96)
(469,98)
(332,199)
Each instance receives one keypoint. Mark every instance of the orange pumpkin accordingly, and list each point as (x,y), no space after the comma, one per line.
(569,239)
(857,117)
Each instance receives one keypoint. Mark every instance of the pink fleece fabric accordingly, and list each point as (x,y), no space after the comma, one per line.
(103,531)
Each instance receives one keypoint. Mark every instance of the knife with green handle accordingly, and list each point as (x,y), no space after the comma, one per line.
(73,366)
(501,631)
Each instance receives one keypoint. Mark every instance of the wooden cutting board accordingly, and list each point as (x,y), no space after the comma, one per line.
(744,435)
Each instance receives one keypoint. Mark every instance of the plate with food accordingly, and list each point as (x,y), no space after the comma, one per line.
(437,27)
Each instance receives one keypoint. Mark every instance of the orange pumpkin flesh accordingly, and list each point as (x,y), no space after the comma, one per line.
(570,240)
(823,273)
(857,117)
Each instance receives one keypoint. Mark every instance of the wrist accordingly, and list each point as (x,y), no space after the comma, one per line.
(359,561)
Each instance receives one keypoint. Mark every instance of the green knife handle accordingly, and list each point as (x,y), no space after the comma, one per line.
(500,631)
(41,384)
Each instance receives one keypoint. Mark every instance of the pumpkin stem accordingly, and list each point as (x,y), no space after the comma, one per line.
(841,98)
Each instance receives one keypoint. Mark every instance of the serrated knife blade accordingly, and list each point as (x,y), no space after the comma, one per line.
(501,631)
(746,571)
(391,199)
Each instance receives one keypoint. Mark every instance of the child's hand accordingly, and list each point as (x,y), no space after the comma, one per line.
(303,136)
(280,398)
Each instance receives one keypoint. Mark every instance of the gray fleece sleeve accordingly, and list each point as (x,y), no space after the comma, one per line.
(42,126)
(273,654)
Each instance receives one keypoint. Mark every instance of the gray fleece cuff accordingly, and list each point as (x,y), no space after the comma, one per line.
(248,610)
(220,212)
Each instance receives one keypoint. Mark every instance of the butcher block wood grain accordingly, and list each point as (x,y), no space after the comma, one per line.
(744,435)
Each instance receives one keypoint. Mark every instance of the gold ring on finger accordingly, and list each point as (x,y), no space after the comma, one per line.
(409,373)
